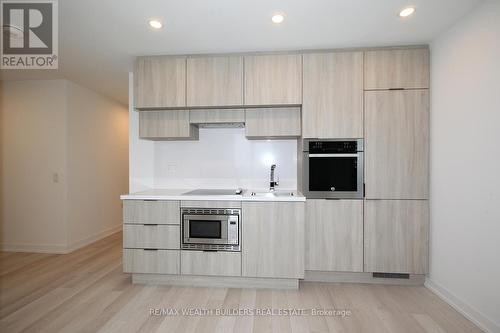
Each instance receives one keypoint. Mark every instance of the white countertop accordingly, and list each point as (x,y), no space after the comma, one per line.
(179,194)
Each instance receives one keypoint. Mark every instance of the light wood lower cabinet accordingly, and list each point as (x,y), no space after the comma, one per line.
(272,123)
(211,263)
(151,261)
(166,125)
(273,239)
(334,235)
(151,236)
(396,234)
(151,212)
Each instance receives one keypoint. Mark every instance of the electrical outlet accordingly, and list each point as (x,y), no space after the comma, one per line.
(55,177)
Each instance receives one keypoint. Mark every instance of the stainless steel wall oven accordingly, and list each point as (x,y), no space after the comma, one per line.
(333,168)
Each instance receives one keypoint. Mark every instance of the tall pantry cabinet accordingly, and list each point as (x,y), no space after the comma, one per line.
(396,130)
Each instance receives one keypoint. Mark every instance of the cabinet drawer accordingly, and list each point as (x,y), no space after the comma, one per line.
(211,263)
(151,212)
(156,236)
(151,261)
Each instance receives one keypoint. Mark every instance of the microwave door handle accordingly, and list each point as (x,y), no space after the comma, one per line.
(333,155)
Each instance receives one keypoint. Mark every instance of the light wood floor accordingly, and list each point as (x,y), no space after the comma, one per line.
(86,291)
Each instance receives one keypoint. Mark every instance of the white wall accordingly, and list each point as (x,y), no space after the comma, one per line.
(57,129)
(224,158)
(97,164)
(465,165)
(33,150)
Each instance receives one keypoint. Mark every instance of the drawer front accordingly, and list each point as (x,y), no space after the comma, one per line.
(156,236)
(152,262)
(211,263)
(151,212)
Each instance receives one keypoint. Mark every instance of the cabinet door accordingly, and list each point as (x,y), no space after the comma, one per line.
(334,235)
(397,144)
(272,122)
(273,79)
(396,236)
(393,69)
(151,236)
(216,116)
(166,125)
(151,212)
(333,95)
(160,82)
(211,263)
(151,261)
(215,81)
(273,239)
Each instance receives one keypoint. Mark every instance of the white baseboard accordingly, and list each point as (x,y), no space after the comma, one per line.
(59,248)
(93,238)
(35,248)
(482,321)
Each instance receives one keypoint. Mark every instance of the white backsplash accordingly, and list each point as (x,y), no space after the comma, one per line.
(224,158)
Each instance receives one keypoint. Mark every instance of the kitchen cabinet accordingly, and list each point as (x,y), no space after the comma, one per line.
(273,79)
(272,122)
(214,81)
(216,116)
(160,82)
(397,144)
(396,236)
(151,236)
(148,261)
(211,263)
(333,95)
(151,212)
(397,69)
(166,125)
(273,239)
(334,235)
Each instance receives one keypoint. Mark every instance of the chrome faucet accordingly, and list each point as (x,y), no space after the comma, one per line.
(272,181)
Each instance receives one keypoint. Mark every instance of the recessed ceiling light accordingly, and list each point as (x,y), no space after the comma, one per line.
(278,18)
(155,24)
(407,11)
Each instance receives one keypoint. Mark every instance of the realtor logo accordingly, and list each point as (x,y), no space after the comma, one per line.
(29,34)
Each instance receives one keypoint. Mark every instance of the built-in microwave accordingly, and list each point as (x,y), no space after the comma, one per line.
(333,168)
(211,229)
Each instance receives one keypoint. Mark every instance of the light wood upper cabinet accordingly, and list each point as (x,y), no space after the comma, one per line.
(397,144)
(273,79)
(334,235)
(394,69)
(215,81)
(273,239)
(333,95)
(272,122)
(396,236)
(160,82)
(216,116)
(166,125)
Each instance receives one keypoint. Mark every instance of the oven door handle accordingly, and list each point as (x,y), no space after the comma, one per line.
(333,155)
